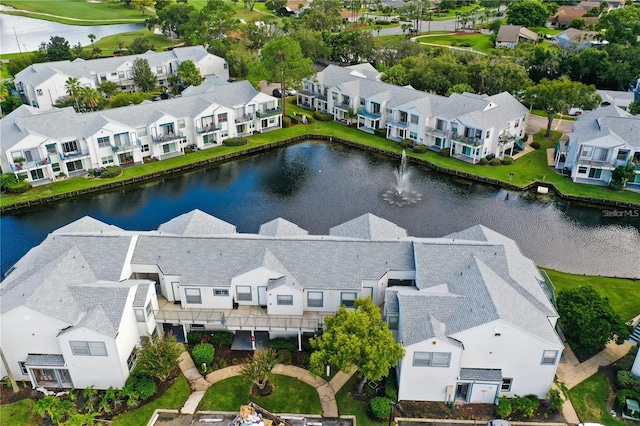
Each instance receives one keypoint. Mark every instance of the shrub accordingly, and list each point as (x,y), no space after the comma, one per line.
(285,356)
(535,145)
(404,143)
(203,353)
(235,142)
(380,132)
(420,149)
(507,161)
(381,22)
(235,361)
(628,380)
(495,162)
(391,387)
(195,337)
(290,343)
(626,362)
(321,116)
(294,119)
(504,408)
(556,399)
(286,121)
(221,338)
(19,187)
(483,161)
(623,395)
(306,344)
(111,171)
(380,407)
(144,386)
(222,363)
(526,406)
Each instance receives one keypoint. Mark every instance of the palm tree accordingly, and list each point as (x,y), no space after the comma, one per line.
(90,97)
(92,37)
(73,87)
(4,94)
(378,28)
(404,28)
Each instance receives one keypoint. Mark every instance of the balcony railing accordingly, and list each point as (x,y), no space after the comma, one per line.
(435,132)
(244,118)
(466,140)
(234,321)
(167,137)
(269,113)
(207,129)
(345,106)
(190,316)
(73,154)
(368,114)
(400,124)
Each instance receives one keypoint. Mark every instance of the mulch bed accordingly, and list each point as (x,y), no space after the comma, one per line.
(8,397)
(229,357)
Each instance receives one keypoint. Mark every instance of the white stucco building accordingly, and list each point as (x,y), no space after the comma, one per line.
(42,84)
(39,144)
(472,126)
(473,314)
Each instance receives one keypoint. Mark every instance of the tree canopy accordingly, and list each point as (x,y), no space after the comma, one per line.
(357,337)
(588,321)
(282,61)
(213,22)
(157,356)
(143,77)
(58,49)
(189,74)
(621,25)
(558,96)
(530,13)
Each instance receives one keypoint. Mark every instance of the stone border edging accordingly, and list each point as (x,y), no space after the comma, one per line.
(295,139)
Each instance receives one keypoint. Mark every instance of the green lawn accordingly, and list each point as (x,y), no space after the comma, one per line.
(112,42)
(16,414)
(78,12)
(477,42)
(174,398)
(590,397)
(290,396)
(541,113)
(623,294)
(350,406)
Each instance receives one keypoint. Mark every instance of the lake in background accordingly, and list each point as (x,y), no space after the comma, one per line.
(31,32)
(317,186)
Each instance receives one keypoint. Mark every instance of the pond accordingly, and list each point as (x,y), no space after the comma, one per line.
(18,33)
(318,185)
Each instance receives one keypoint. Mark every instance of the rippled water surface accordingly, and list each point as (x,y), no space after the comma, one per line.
(318,186)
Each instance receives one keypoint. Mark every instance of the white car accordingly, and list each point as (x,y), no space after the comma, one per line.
(498,422)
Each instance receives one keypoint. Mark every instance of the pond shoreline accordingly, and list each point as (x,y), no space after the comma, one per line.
(25,205)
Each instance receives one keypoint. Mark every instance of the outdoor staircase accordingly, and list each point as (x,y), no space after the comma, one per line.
(635,334)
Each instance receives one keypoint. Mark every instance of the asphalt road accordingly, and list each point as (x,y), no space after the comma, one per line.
(537,123)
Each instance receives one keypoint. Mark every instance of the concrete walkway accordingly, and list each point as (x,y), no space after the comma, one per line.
(326,390)
(572,372)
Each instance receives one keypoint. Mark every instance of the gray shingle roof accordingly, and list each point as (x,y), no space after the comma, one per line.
(141,295)
(488,374)
(280,227)
(197,222)
(87,224)
(369,227)
(45,360)
(611,125)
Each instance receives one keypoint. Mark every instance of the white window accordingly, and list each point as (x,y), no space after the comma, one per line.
(243,293)
(158,70)
(549,357)
(23,367)
(220,292)
(141,131)
(193,295)
(595,173)
(600,154)
(88,348)
(622,155)
(392,321)
(103,77)
(104,142)
(145,148)
(107,160)
(587,152)
(52,149)
(120,74)
(285,299)
(348,299)
(506,385)
(315,299)
(413,135)
(55,167)
(431,359)
(131,359)
(148,310)
(180,124)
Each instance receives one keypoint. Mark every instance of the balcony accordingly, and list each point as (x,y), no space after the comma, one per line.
(73,155)
(345,106)
(436,132)
(207,129)
(466,140)
(167,137)
(245,118)
(363,112)
(506,139)
(269,113)
(398,124)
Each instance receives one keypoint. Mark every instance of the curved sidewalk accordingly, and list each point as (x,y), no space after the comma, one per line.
(326,390)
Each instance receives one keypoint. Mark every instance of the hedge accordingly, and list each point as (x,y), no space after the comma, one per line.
(420,149)
(235,142)
(380,407)
(404,143)
(221,338)
(19,188)
(321,116)
(287,343)
(445,152)
(111,171)
(495,162)
(507,161)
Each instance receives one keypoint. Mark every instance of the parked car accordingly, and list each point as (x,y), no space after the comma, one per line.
(498,422)
(288,92)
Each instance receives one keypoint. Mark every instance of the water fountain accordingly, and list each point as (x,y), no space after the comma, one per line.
(401,194)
